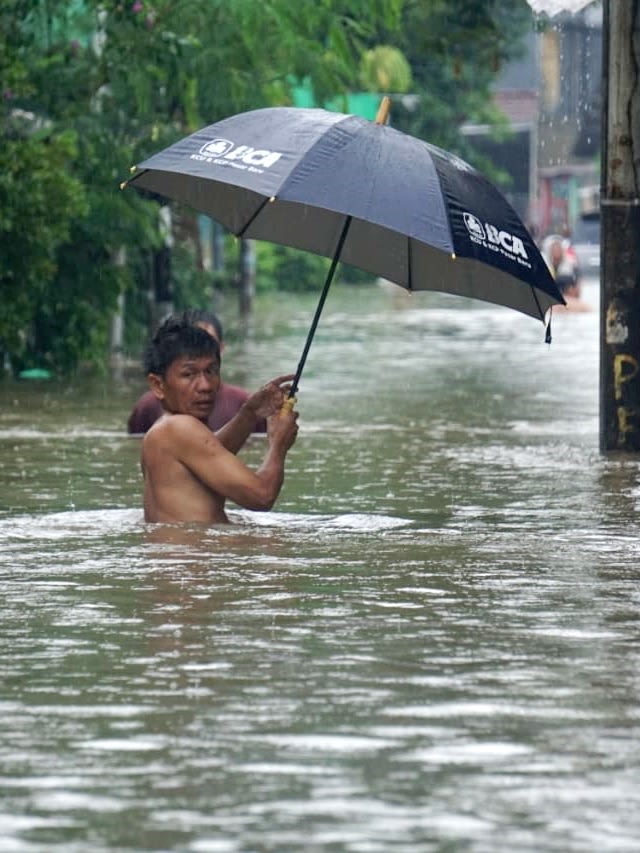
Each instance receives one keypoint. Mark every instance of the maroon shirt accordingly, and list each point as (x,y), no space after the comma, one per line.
(228,400)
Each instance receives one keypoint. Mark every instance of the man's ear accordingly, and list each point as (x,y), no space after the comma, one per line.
(156,384)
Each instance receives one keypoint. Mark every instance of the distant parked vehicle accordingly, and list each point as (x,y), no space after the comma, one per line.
(586,244)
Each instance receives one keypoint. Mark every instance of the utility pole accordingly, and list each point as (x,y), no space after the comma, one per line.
(620,229)
(247,276)
(161,270)
(116,327)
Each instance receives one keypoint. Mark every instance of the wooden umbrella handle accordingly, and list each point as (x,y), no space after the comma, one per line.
(383,110)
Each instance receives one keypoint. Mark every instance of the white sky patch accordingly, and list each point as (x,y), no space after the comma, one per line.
(554,7)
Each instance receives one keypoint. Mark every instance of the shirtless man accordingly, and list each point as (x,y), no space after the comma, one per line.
(189,472)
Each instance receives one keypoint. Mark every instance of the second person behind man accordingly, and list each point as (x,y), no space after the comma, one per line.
(229,399)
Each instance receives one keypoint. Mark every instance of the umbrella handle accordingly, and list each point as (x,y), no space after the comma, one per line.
(383,110)
(287,406)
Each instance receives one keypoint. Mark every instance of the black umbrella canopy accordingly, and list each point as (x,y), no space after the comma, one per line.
(415,214)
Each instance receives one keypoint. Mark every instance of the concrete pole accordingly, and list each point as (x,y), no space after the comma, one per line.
(247,276)
(161,270)
(620,224)
(116,326)
(218,248)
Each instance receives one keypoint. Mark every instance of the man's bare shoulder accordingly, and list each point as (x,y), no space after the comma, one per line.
(177,429)
(172,421)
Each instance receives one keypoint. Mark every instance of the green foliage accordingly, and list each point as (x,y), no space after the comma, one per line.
(63,218)
(39,200)
(455,49)
(194,287)
(104,83)
(385,69)
(284,268)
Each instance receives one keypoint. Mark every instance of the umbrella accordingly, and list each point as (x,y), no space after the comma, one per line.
(360,192)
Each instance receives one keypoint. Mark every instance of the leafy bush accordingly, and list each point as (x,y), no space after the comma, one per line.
(283,268)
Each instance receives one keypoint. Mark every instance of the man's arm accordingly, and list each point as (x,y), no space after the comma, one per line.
(235,432)
(223,473)
(265,402)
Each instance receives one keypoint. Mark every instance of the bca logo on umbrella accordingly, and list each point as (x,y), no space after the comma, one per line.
(224,152)
(495,240)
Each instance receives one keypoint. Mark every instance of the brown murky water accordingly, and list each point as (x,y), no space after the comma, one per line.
(431,644)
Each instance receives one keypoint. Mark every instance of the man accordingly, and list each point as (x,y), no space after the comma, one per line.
(565,271)
(561,265)
(189,472)
(229,399)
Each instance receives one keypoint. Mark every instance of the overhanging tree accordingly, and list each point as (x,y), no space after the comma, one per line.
(110,82)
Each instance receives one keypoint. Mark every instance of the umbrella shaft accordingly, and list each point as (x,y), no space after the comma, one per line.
(321,301)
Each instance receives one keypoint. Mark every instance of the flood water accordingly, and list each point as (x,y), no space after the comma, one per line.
(431,644)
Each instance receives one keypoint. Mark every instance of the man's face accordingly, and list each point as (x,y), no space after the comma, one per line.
(189,386)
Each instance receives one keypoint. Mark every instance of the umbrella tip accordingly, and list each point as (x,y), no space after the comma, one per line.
(123,184)
(383,110)
(132,169)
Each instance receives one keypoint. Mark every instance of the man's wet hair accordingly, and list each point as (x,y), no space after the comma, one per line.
(176,338)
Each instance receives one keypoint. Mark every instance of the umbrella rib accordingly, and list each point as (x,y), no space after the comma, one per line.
(547,335)
(535,296)
(254,216)
(409,265)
